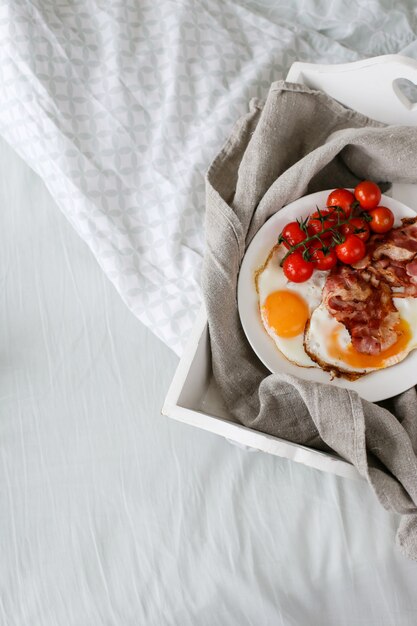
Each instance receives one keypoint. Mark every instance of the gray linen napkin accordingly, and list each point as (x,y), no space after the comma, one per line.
(298,142)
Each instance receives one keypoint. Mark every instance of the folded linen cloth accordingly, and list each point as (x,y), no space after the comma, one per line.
(298,142)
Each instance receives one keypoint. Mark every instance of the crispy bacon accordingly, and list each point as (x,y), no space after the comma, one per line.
(405,236)
(366,310)
(360,297)
(393,258)
(393,252)
(371,246)
(411,269)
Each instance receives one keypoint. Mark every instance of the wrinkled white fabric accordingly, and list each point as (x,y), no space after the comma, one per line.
(120,105)
(111,514)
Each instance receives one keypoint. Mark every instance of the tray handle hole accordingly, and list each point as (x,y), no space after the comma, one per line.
(406,92)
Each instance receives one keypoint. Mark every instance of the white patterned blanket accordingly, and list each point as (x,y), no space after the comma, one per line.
(119,106)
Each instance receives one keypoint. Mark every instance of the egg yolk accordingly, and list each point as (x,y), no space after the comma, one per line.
(360,360)
(286,313)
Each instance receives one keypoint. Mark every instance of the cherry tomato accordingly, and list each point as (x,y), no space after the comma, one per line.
(382,219)
(368,194)
(356,226)
(322,260)
(351,250)
(292,234)
(296,268)
(317,225)
(343,198)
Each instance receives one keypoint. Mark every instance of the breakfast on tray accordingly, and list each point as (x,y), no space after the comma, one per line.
(339,289)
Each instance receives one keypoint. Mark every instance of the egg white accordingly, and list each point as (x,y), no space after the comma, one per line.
(407,308)
(272,278)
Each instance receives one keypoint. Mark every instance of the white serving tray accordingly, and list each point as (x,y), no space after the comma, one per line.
(373,87)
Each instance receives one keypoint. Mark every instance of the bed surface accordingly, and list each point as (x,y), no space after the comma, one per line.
(112,514)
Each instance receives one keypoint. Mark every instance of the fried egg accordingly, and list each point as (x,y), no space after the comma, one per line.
(329,344)
(286,306)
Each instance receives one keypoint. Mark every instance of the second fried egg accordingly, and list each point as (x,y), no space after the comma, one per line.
(328,341)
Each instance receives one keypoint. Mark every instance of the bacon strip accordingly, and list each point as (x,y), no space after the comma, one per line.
(366,310)
(393,258)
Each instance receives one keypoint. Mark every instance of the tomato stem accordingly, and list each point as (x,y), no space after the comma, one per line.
(337,237)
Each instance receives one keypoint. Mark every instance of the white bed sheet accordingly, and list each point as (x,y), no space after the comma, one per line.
(111,514)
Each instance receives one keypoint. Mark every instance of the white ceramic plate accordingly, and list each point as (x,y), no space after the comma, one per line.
(375,386)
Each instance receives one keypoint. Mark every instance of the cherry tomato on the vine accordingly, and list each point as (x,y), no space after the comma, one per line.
(343,198)
(292,234)
(296,268)
(382,219)
(317,224)
(368,194)
(322,259)
(351,250)
(356,226)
